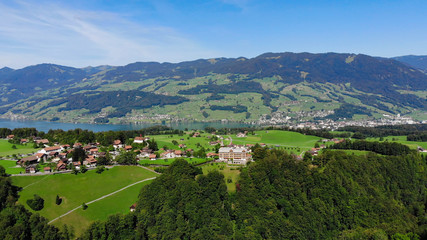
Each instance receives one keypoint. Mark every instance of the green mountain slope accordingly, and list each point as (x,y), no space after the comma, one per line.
(298,85)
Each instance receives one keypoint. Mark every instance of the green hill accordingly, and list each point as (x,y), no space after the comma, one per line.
(284,84)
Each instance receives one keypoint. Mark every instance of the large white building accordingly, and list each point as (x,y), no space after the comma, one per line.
(234,155)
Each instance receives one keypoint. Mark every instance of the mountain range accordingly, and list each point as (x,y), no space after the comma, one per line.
(295,85)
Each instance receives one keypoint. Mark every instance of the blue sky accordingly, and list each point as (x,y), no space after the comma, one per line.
(94,32)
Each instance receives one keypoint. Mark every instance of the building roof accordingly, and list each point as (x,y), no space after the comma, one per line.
(232,149)
(54,148)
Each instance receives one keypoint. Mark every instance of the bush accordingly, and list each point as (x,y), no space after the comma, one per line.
(37,203)
(58,200)
(100,169)
(84,206)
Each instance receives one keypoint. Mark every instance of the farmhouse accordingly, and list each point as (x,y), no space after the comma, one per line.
(234,155)
(28,160)
(117,144)
(44,141)
(138,140)
(48,150)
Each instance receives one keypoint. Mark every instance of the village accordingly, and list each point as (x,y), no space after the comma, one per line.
(61,158)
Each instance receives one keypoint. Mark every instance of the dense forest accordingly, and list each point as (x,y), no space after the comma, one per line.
(336,195)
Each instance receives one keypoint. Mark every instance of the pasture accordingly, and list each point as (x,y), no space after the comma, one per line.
(77,189)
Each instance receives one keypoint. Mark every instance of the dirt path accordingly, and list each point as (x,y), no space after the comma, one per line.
(121,189)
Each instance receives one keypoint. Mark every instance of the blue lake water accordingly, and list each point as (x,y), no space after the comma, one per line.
(46,126)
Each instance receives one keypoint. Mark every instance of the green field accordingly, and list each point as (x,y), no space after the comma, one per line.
(352,152)
(11,167)
(232,172)
(402,140)
(190,142)
(6,148)
(290,141)
(76,189)
(168,162)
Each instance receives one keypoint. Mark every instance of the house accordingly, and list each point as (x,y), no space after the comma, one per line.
(182,146)
(77,145)
(60,166)
(178,153)
(47,169)
(43,141)
(211,155)
(24,140)
(117,144)
(65,146)
(28,160)
(10,137)
(133,207)
(196,134)
(240,135)
(77,165)
(234,155)
(138,140)
(128,148)
(48,150)
(168,154)
(92,162)
(41,156)
(152,156)
(30,169)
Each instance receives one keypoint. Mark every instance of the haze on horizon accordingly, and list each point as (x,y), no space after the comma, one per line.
(95,32)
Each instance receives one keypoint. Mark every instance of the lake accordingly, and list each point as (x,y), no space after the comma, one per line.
(46,126)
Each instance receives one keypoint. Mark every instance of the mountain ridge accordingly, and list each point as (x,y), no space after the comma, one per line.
(271,81)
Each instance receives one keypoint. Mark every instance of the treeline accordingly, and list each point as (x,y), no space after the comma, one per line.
(384,148)
(349,197)
(87,136)
(388,130)
(18,223)
(417,137)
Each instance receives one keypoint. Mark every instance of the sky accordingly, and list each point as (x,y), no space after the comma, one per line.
(82,33)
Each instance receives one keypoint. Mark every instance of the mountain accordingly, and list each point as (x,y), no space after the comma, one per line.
(419,62)
(296,85)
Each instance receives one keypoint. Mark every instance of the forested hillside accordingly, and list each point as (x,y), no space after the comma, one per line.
(335,196)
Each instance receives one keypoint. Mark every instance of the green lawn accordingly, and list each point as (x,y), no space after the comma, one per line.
(290,141)
(168,162)
(229,171)
(11,167)
(353,152)
(76,189)
(6,148)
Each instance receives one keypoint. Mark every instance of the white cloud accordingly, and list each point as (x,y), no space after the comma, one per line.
(32,34)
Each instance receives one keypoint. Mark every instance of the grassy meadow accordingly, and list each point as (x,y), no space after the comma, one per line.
(11,167)
(167,162)
(6,148)
(290,141)
(77,189)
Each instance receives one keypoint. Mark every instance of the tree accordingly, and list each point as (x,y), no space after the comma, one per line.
(78,155)
(83,168)
(58,200)
(152,144)
(100,169)
(127,158)
(2,171)
(37,203)
(84,206)
(13,146)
